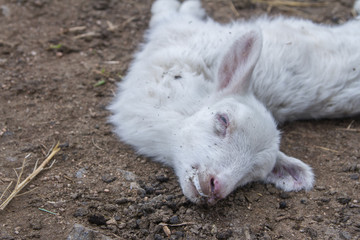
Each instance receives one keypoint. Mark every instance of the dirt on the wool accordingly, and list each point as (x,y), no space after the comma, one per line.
(59,65)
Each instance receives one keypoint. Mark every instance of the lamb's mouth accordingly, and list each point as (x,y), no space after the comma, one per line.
(196,183)
(209,198)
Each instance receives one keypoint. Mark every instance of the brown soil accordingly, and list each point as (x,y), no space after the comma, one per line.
(49,73)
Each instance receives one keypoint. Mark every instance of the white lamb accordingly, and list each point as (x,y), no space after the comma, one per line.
(205,98)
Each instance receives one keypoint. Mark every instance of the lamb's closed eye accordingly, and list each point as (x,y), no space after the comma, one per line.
(221,124)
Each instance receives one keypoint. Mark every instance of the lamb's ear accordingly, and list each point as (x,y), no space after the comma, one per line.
(238,63)
(291,174)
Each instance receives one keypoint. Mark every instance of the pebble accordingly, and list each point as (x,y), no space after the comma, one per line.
(285,195)
(320,188)
(80,212)
(123,200)
(101,5)
(129,176)
(179,234)
(162,178)
(345,235)
(224,235)
(5,10)
(112,221)
(97,219)
(80,173)
(110,207)
(17,230)
(80,232)
(142,223)
(149,190)
(318,218)
(75,195)
(158,237)
(35,224)
(121,225)
(343,200)
(107,178)
(304,201)
(282,205)
(325,200)
(174,220)
(354,176)
(311,232)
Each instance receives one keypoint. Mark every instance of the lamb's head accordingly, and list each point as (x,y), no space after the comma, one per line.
(233,140)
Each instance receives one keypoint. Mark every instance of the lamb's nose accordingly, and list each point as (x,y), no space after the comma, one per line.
(214,193)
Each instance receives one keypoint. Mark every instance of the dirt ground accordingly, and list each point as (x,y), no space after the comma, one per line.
(59,64)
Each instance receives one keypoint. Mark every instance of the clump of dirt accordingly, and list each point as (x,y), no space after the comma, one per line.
(59,64)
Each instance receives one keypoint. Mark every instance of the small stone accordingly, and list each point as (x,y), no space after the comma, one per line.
(343,200)
(304,201)
(110,207)
(149,190)
(325,200)
(311,232)
(285,195)
(5,10)
(112,221)
(17,230)
(97,219)
(141,192)
(80,212)
(122,201)
(129,176)
(75,195)
(80,173)
(142,223)
(224,235)
(320,188)
(282,205)
(179,234)
(107,178)
(36,224)
(297,226)
(101,5)
(318,218)
(158,237)
(354,176)
(80,232)
(345,235)
(174,220)
(162,178)
(135,185)
(213,229)
(121,225)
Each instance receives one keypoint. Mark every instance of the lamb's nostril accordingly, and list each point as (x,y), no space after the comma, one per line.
(212,185)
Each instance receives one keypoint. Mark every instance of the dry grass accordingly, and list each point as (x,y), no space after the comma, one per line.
(278,3)
(20,185)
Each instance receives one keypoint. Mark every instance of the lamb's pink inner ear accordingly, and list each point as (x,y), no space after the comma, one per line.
(238,63)
(291,174)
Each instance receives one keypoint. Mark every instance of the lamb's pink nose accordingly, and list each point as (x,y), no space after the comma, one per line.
(214,193)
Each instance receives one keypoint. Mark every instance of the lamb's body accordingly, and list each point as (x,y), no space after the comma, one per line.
(303,71)
(307,70)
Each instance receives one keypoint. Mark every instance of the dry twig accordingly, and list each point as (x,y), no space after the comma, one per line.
(19,186)
(291,3)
